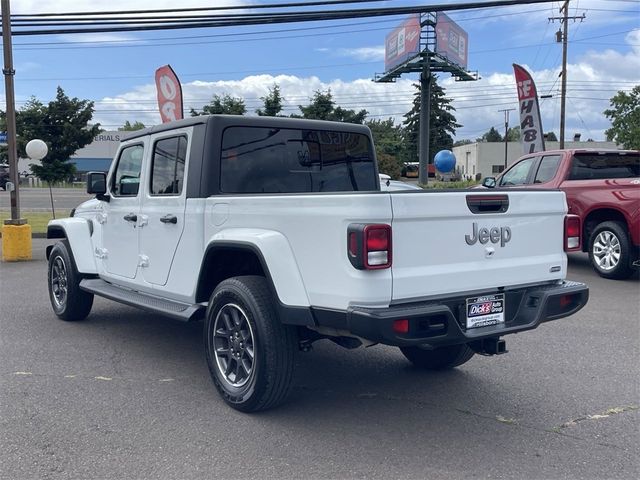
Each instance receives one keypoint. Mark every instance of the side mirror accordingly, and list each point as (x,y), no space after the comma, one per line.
(97,185)
(489,182)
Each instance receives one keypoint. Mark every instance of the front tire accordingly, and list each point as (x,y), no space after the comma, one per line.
(610,251)
(69,302)
(442,358)
(250,353)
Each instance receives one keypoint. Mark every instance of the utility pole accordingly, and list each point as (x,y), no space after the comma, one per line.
(425,127)
(563,36)
(506,133)
(9,72)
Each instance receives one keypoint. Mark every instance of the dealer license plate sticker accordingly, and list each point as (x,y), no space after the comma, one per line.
(485,311)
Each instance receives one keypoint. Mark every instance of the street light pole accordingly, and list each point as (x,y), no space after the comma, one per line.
(9,73)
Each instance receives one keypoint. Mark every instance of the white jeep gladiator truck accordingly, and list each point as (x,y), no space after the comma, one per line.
(276,234)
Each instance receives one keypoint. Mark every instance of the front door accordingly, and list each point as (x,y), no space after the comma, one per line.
(120,228)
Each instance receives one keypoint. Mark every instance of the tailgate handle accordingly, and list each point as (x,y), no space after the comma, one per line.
(488,203)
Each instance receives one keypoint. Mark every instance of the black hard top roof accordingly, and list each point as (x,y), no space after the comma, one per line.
(223,121)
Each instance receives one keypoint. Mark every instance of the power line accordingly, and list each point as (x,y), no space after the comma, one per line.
(284,17)
(199,9)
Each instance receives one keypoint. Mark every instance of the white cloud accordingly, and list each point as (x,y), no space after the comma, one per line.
(378,99)
(592,80)
(98,37)
(364,54)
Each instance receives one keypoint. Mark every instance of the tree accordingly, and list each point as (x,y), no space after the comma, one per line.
(323,107)
(625,119)
(459,143)
(550,137)
(226,104)
(387,138)
(491,136)
(128,127)
(272,103)
(442,121)
(63,124)
(513,134)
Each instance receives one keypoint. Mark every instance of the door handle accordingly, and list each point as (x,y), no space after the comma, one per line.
(169,219)
(132,217)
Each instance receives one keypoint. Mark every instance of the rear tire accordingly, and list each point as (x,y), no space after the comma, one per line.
(250,353)
(442,358)
(610,251)
(69,302)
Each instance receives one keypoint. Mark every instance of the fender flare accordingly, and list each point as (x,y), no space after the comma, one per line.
(277,259)
(78,233)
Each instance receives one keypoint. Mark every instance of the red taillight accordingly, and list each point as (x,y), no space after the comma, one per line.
(369,246)
(566,300)
(401,326)
(572,237)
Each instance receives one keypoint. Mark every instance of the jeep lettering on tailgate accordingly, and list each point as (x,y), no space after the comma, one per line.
(500,235)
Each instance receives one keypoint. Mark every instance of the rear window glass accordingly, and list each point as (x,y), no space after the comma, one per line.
(594,166)
(279,160)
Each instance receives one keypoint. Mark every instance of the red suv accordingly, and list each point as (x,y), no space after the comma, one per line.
(602,188)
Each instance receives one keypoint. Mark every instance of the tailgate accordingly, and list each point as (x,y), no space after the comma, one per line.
(461,241)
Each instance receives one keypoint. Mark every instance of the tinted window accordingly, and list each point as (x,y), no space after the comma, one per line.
(126,180)
(547,169)
(167,174)
(594,166)
(278,160)
(518,174)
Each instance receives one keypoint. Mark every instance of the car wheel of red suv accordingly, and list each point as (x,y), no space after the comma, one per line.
(609,250)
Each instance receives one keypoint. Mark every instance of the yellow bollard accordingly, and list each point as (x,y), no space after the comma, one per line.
(16,243)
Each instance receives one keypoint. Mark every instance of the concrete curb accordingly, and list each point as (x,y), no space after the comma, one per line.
(34,235)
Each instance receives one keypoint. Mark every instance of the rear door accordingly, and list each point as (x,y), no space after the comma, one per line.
(163,205)
(466,241)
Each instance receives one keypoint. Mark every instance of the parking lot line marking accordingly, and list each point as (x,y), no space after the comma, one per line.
(103,378)
(23,373)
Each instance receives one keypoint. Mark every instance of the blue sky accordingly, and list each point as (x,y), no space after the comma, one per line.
(116,70)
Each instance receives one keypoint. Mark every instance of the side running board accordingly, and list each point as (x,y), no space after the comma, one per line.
(176,310)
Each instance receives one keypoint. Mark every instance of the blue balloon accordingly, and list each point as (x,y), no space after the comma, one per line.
(445,161)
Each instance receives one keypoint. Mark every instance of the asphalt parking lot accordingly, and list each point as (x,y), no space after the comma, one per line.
(127,395)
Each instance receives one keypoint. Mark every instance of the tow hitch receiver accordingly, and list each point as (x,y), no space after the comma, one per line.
(489,346)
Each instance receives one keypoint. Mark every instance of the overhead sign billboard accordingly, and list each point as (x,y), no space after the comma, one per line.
(530,121)
(169,93)
(403,43)
(452,42)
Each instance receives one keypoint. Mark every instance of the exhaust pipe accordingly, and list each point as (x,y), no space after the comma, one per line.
(489,346)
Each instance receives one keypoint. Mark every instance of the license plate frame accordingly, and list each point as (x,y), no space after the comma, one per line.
(485,311)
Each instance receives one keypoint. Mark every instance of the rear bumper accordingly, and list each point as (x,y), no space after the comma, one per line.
(442,322)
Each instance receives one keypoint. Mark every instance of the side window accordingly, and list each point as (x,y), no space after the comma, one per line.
(167,170)
(519,173)
(597,166)
(126,180)
(547,169)
(283,160)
